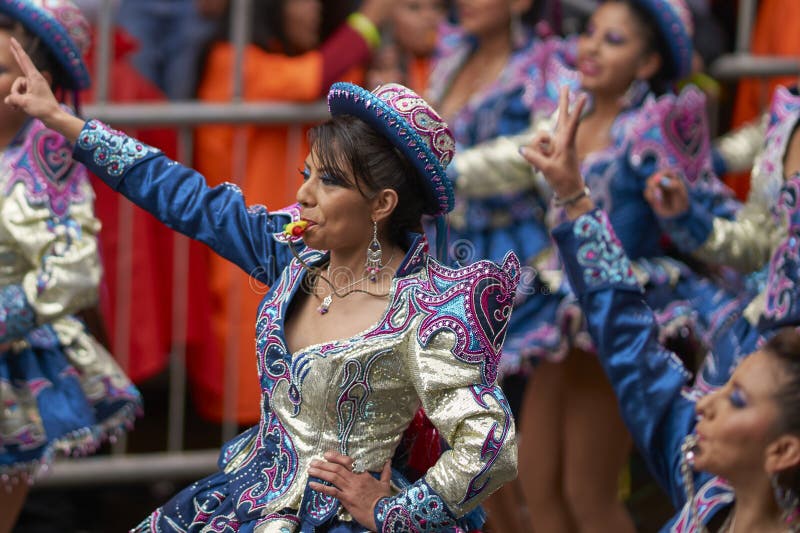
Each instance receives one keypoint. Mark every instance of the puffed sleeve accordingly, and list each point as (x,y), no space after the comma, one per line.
(453,363)
(744,243)
(47,214)
(178,196)
(736,151)
(495,167)
(648,380)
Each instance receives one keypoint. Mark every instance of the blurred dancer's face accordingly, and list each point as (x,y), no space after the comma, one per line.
(737,423)
(487,17)
(11,120)
(416,23)
(302,24)
(339,217)
(612,52)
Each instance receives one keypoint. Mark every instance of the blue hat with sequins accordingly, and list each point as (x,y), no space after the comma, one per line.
(412,126)
(674,21)
(62,28)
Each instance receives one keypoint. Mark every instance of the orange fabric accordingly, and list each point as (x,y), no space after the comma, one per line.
(771,36)
(269,176)
(136,250)
(419,71)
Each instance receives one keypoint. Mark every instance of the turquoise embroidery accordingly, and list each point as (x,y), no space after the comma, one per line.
(600,253)
(112,149)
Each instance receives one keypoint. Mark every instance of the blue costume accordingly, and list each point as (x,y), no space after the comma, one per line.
(745,243)
(650,134)
(437,344)
(650,382)
(488,225)
(61,392)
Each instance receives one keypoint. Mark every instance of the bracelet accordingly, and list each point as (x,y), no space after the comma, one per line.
(366,28)
(569,200)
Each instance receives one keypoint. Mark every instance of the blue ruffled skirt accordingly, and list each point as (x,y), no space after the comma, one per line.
(62,394)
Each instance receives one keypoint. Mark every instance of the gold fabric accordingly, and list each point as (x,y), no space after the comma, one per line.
(360,396)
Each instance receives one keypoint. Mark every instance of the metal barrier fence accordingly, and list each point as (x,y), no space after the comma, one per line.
(174,462)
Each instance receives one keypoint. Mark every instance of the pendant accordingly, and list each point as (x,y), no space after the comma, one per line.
(326,303)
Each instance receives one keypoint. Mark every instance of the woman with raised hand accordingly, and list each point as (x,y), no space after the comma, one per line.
(629,57)
(61,392)
(350,340)
(729,460)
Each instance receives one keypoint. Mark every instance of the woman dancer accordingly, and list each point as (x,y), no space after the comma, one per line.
(346,352)
(61,392)
(729,460)
(628,57)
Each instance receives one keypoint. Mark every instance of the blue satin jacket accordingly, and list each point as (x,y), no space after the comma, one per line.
(651,384)
(437,345)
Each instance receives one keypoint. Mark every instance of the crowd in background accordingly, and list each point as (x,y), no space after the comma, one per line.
(489,69)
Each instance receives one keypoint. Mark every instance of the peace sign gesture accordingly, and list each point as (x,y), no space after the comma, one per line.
(555,156)
(31,94)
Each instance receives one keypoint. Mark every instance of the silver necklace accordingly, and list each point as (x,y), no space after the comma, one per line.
(325,305)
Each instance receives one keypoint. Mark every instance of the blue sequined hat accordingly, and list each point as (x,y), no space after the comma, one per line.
(62,28)
(674,22)
(411,125)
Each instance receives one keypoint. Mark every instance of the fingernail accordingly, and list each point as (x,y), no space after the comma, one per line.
(523,151)
(314,463)
(664,181)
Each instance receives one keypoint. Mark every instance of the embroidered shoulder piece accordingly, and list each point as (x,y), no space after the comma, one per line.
(17,317)
(112,150)
(417,509)
(782,303)
(600,253)
(672,132)
(43,163)
(473,302)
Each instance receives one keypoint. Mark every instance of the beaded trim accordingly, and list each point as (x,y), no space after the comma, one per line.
(675,24)
(112,150)
(373,108)
(78,443)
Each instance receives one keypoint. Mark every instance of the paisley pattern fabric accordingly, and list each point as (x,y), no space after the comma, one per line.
(61,391)
(650,382)
(437,344)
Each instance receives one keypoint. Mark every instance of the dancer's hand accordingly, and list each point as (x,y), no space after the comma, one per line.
(31,94)
(556,157)
(359,492)
(666,194)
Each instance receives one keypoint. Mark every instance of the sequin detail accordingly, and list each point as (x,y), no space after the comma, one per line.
(113,150)
(494,439)
(601,253)
(712,496)
(414,128)
(16,315)
(474,303)
(416,510)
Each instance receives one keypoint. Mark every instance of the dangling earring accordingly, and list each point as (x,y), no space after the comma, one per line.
(635,93)
(786,499)
(374,255)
